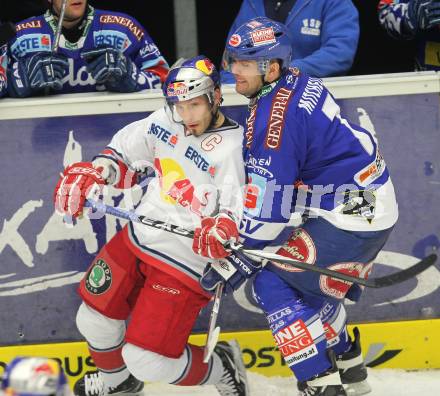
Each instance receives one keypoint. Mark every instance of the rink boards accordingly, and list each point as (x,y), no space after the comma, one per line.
(407,345)
(42,260)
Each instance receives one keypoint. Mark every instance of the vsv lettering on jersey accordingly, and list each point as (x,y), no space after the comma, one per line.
(250,227)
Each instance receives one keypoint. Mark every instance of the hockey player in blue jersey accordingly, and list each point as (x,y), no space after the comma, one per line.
(318,191)
(417,20)
(98,50)
(3,68)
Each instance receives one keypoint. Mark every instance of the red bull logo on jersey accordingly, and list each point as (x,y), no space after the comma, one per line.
(277,118)
(177,188)
(263,37)
(177,89)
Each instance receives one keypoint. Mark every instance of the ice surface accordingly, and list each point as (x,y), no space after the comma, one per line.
(385,382)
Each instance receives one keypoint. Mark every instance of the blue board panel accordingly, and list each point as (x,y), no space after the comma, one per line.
(41,260)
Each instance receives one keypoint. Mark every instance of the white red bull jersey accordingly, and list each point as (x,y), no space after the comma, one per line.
(194,177)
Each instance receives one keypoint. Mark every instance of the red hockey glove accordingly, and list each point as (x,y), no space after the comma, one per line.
(77,183)
(213,234)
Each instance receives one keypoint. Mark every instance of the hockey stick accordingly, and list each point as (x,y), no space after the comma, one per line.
(213,330)
(56,40)
(387,280)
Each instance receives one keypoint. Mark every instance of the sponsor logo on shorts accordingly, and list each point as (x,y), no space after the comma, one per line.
(99,278)
(338,288)
(295,343)
(331,335)
(165,289)
(299,247)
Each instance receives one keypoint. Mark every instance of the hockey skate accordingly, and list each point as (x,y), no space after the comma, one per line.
(326,384)
(234,380)
(352,369)
(91,384)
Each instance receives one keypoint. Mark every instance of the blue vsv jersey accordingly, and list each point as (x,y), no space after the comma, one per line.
(303,157)
(103,29)
(3,66)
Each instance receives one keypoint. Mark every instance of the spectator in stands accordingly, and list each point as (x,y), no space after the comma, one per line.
(98,50)
(324,33)
(418,20)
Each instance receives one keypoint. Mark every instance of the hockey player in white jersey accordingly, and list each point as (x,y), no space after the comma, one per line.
(34,376)
(150,275)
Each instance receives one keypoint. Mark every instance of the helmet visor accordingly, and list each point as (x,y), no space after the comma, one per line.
(190,111)
(243,66)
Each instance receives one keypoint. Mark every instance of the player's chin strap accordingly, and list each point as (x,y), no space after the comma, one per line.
(387,280)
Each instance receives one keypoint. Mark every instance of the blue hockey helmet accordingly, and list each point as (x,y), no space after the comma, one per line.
(190,78)
(260,39)
(34,376)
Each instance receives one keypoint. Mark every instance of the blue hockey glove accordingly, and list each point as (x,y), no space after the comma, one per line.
(110,67)
(233,270)
(423,14)
(37,72)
